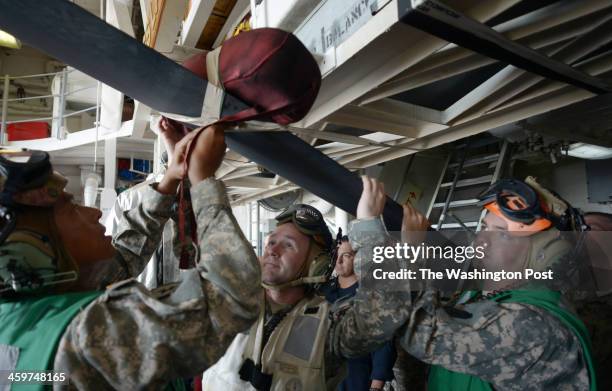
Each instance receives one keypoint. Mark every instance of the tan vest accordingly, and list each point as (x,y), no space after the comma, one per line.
(294,354)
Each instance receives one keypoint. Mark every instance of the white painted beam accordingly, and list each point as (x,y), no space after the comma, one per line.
(265,194)
(72,140)
(504,77)
(333,136)
(251,182)
(550,16)
(110,163)
(569,53)
(391,108)
(238,12)
(111,111)
(283,14)
(351,151)
(83,154)
(375,53)
(169,24)
(145,12)
(181,53)
(196,20)
(141,117)
(241,172)
(555,100)
(378,119)
(593,66)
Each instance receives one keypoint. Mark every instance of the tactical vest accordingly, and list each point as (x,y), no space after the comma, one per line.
(443,379)
(294,353)
(33,326)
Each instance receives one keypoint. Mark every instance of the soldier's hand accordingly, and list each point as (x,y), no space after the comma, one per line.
(171,132)
(207,153)
(414,225)
(176,166)
(372,201)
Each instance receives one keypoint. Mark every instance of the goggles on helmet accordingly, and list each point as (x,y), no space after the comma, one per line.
(518,204)
(27,178)
(22,170)
(309,221)
(27,260)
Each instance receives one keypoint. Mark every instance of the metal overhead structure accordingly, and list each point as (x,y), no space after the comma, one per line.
(444,22)
(402,76)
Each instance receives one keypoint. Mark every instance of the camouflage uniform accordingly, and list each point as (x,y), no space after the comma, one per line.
(596,313)
(130,338)
(513,346)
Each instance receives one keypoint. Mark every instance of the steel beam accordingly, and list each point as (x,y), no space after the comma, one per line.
(569,53)
(446,23)
(530,29)
(563,97)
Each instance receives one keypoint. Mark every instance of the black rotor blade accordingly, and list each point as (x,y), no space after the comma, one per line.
(73,35)
(292,158)
(69,33)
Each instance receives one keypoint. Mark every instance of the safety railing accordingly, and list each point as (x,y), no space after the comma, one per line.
(57,107)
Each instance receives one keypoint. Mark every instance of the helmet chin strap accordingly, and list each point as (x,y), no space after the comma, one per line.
(39,235)
(298,282)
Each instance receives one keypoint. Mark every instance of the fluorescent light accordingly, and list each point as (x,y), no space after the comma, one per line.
(9,41)
(589,151)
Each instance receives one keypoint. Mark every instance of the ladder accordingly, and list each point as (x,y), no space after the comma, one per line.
(469,169)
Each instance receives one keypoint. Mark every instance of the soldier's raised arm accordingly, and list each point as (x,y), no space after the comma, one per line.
(139,229)
(517,339)
(131,338)
(377,311)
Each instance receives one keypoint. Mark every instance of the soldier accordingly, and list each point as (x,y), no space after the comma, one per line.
(372,371)
(509,340)
(285,348)
(54,257)
(595,310)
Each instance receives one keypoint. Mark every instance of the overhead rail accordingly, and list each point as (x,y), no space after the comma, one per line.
(58,106)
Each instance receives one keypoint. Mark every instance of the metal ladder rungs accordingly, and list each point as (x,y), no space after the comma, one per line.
(476,161)
(458,203)
(470,181)
(469,224)
(459,167)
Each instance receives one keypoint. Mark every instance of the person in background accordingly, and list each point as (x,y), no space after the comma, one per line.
(372,371)
(595,309)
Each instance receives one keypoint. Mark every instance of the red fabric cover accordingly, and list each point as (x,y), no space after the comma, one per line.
(197,64)
(273,72)
(269,70)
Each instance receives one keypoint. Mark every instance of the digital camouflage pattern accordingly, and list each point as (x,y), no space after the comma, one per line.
(131,338)
(513,346)
(410,374)
(596,313)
